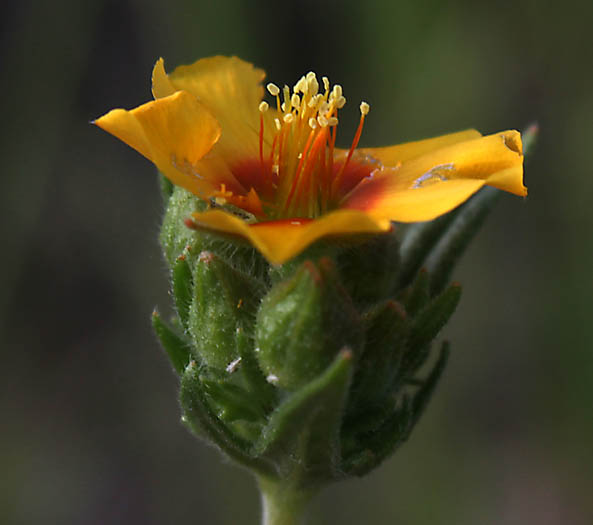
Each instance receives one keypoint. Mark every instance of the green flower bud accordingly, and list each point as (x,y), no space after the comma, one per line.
(223,306)
(303,323)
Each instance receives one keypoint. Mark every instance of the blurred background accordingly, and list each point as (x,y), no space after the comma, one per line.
(90,430)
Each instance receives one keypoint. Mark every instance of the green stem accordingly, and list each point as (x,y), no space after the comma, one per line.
(282,503)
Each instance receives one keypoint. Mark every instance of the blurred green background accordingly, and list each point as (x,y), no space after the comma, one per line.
(90,430)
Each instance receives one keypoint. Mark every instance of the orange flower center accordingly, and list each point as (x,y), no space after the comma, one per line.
(299,172)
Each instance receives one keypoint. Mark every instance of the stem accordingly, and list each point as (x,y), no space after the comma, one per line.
(282,503)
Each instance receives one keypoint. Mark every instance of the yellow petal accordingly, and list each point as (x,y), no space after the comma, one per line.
(437,182)
(174,132)
(161,85)
(280,241)
(228,86)
(392,155)
(425,204)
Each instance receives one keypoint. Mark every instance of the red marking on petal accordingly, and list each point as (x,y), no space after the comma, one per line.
(251,174)
(366,194)
(352,175)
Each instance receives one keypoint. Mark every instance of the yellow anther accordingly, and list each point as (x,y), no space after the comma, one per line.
(340,102)
(288,118)
(323,122)
(312,123)
(314,100)
(286,93)
(283,106)
(275,168)
(312,84)
(332,121)
(364,108)
(273,89)
(295,100)
(278,124)
(325,83)
(324,108)
(336,92)
(301,85)
(264,106)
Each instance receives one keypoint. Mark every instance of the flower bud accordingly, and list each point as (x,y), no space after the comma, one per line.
(222,307)
(303,323)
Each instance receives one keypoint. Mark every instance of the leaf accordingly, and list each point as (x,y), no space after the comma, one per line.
(302,435)
(176,347)
(202,419)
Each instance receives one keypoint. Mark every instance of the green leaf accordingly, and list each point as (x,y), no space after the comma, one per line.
(373,447)
(424,394)
(429,322)
(456,238)
(416,243)
(202,419)
(177,348)
(302,435)
(418,295)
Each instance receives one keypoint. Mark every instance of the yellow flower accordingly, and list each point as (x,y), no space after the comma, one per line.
(273,174)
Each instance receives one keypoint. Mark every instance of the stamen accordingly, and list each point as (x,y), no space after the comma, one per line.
(364,110)
(264,106)
(288,118)
(273,89)
(278,124)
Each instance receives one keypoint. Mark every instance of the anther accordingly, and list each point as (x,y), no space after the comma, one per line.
(325,83)
(273,89)
(323,122)
(312,123)
(340,102)
(288,118)
(264,106)
(295,100)
(364,108)
(278,124)
(300,86)
(332,121)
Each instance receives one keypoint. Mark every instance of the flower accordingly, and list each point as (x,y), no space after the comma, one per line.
(274,176)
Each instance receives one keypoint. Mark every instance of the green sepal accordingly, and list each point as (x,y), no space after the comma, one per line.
(175,236)
(428,385)
(302,435)
(223,304)
(302,324)
(373,447)
(176,347)
(456,237)
(429,322)
(369,269)
(417,296)
(416,242)
(385,343)
(166,186)
(235,403)
(199,415)
(182,284)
